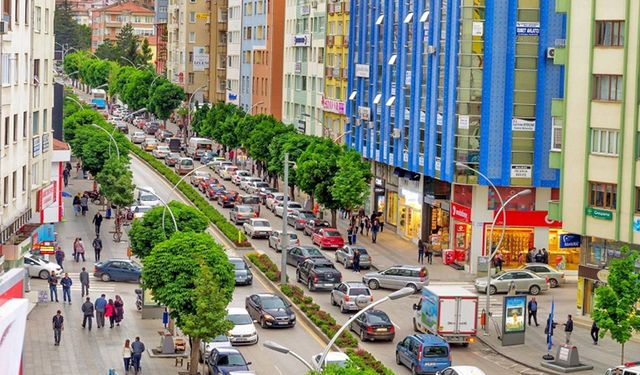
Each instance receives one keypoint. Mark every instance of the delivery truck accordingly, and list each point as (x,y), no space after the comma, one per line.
(448,311)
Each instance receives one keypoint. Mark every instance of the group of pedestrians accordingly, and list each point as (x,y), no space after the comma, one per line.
(81,204)
(363,224)
(425,248)
(104,309)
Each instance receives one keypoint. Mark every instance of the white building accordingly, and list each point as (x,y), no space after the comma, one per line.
(234,46)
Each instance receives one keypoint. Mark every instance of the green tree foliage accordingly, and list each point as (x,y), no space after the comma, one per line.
(119,79)
(351,183)
(72,103)
(147,232)
(349,369)
(136,90)
(68,32)
(116,182)
(108,51)
(145,55)
(77,120)
(615,308)
(246,126)
(292,143)
(165,98)
(262,135)
(96,72)
(92,146)
(228,128)
(199,117)
(216,116)
(71,63)
(127,45)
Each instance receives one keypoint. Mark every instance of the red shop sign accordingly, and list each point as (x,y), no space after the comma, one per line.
(528,219)
(460,212)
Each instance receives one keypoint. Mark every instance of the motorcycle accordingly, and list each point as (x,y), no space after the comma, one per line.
(138,299)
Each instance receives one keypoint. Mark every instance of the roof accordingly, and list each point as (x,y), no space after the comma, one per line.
(237,310)
(59,145)
(448,291)
(125,7)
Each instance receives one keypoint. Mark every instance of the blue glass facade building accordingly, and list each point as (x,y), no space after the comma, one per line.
(254,36)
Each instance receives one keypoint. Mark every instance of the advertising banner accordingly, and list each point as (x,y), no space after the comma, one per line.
(200,59)
(514,313)
(13,319)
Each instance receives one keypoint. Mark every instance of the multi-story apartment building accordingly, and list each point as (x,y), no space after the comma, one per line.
(304,50)
(160,8)
(234,45)
(596,143)
(254,34)
(335,81)
(218,50)
(107,22)
(432,84)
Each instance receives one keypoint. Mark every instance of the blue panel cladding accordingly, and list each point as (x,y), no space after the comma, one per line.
(386,79)
(432,88)
(549,85)
(249,45)
(358,48)
(416,79)
(362,88)
(401,71)
(450,90)
(350,71)
(373,74)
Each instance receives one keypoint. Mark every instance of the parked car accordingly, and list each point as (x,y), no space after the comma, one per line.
(163,134)
(345,294)
(270,310)
(525,282)
(241,271)
(149,144)
(312,226)
(227,172)
(198,176)
(222,165)
(221,341)
(398,277)
(175,144)
(423,353)
(255,186)
(298,254)
(250,200)
(118,270)
(238,175)
(327,238)
(151,127)
(146,196)
(241,214)
(297,219)
(138,137)
(171,159)
(318,274)
(373,325)
(291,206)
(337,359)
(224,361)
(243,331)
(38,267)
(205,183)
(276,240)
(244,182)
(161,151)
(184,166)
(207,157)
(139,210)
(227,199)
(272,199)
(255,228)
(264,192)
(461,370)
(345,254)
(214,191)
(554,276)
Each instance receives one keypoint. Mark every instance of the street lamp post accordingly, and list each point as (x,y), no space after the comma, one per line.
(285,229)
(255,105)
(189,111)
(110,136)
(406,291)
(131,62)
(75,101)
(166,206)
(284,350)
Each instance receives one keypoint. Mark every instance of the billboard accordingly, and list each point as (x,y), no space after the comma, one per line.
(514,310)
(200,59)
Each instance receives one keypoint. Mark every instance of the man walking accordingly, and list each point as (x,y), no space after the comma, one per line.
(420,251)
(97,244)
(53,286)
(87,311)
(595,330)
(84,281)
(65,177)
(532,306)
(97,221)
(59,255)
(84,204)
(428,249)
(356,260)
(568,328)
(375,228)
(58,327)
(137,348)
(66,288)
(101,303)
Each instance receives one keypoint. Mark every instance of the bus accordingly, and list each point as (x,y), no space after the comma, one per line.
(99,98)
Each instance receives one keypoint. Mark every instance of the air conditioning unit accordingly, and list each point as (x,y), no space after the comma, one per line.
(551,52)
(431,50)
(395,133)
(4,27)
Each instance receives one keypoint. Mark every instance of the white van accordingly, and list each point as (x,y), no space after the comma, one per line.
(198,146)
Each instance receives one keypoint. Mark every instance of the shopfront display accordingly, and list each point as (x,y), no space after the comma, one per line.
(515,244)
(461,216)
(378,195)
(439,228)
(564,250)
(391,215)
(410,214)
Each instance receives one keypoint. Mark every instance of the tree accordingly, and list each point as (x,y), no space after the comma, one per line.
(116,182)
(216,116)
(228,127)
(165,98)
(615,308)
(136,90)
(146,55)
(108,51)
(146,233)
(350,186)
(199,117)
(119,79)
(292,143)
(127,44)
(77,120)
(262,135)
(71,64)
(68,32)
(350,369)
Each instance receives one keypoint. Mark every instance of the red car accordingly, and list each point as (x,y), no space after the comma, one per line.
(214,191)
(327,238)
(228,199)
(204,184)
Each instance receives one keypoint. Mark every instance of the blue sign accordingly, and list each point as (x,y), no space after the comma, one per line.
(570,240)
(527,28)
(46,232)
(636,224)
(233,96)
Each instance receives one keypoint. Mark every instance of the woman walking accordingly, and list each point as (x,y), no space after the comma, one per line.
(118,305)
(109,312)
(76,204)
(78,249)
(126,355)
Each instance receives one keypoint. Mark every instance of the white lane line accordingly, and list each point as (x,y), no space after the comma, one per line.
(394,323)
(276,367)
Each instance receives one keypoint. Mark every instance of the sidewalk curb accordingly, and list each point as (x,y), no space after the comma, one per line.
(514,359)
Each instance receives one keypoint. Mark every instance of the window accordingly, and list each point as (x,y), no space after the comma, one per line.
(610,33)
(5,192)
(637,200)
(46,20)
(556,133)
(192,37)
(192,17)
(604,141)
(191,78)
(7,126)
(38,20)
(24,124)
(607,87)
(45,114)
(24,178)
(15,128)
(6,69)
(602,195)
(35,168)
(36,71)
(36,123)
(14,183)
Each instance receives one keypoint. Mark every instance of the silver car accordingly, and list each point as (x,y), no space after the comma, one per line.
(345,254)
(524,281)
(39,267)
(398,277)
(344,295)
(554,276)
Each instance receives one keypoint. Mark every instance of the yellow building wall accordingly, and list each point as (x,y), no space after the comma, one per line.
(335,62)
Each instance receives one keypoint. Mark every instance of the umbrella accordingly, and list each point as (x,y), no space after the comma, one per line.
(66,194)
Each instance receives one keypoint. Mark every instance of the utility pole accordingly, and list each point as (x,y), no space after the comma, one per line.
(285,211)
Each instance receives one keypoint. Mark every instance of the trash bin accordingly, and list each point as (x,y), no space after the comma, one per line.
(448,256)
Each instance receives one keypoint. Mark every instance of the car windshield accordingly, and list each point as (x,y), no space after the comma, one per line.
(378,318)
(240,319)
(174,155)
(332,233)
(135,264)
(362,250)
(293,236)
(312,251)
(232,360)
(147,198)
(239,265)
(359,291)
(221,338)
(251,200)
(436,351)
(187,162)
(273,303)
(325,265)
(163,148)
(261,223)
(294,205)
(142,209)
(305,215)
(244,209)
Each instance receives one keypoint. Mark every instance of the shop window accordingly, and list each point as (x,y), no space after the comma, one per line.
(602,195)
(637,200)
(392,208)
(607,87)
(610,33)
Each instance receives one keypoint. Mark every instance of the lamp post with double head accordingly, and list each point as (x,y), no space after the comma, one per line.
(284,350)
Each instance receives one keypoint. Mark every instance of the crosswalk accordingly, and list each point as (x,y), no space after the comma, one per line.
(95,285)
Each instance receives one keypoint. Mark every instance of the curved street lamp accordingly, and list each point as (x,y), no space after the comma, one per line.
(166,206)
(110,136)
(189,111)
(284,350)
(75,101)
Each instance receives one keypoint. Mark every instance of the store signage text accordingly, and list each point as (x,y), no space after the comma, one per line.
(570,240)
(232,96)
(460,212)
(301,40)
(362,70)
(45,142)
(200,59)
(520,125)
(35,148)
(46,196)
(527,28)
(332,105)
(597,213)
(521,170)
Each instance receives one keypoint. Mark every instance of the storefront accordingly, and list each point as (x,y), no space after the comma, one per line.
(461,218)
(410,216)
(435,212)
(378,195)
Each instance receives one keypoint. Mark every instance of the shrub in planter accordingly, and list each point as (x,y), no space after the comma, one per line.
(364,359)
(286,290)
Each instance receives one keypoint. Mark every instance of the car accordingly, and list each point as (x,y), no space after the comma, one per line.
(250,200)
(163,134)
(151,127)
(344,255)
(39,267)
(146,197)
(291,206)
(257,228)
(227,199)
(461,370)
(139,210)
(138,137)
(373,325)
(554,276)
(338,359)
(297,219)
(122,127)
(238,175)
(218,167)
(398,277)
(346,296)
(241,214)
(318,274)
(264,192)
(118,270)
(224,361)
(244,182)
(171,159)
(205,183)
(149,144)
(327,238)
(423,353)
(627,368)
(227,172)
(270,310)
(298,254)
(221,341)
(198,176)
(184,166)
(272,199)
(243,331)
(312,226)
(214,191)
(241,271)
(276,240)
(525,282)
(255,186)
(161,151)
(207,157)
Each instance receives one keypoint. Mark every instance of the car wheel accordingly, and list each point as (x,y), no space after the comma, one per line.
(44,274)
(492,289)
(397,358)
(343,309)
(414,287)
(105,277)
(310,286)
(362,337)
(373,284)
(534,290)
(263,324)
(553,283)
(298,278)
(413,370)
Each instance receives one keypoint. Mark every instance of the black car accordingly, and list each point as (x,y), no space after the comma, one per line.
(227,199)
(270,310)
(123,127)
(313,225)
(373,325)
(318,274)
(298,254)
(242,272)
(161,135)
(151,127)
(298,219)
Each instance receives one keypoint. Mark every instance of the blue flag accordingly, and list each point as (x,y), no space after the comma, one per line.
(550,326)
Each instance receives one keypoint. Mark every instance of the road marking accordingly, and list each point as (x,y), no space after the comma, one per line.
(394,323)
(276,367)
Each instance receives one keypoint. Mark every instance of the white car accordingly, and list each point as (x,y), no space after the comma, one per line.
(227,172)
(255,186)
(198,176)
(257,228)
(291,206)
(139,211)
(238,175)
(223,164)
(244,331)
(38,267)
(221,341)
(276,238)
(461,370)
(161,151)
(333,358)
(270,201)
(138,137)
(244,183)
(147,197)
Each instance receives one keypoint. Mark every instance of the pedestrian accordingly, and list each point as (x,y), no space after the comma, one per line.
(65,177)
(84,204)
(68,166)
(97,221)
(568,328)
(538,256)
(76,204)
(118,304)
(78,167)
(58,327)
(109,312)
(420,251)
(532,307)
(381,221)
(354,234)
(498,262)
(361,224)
(126,355)
(137,348)
(87,311)
(53,286)
(100,306)
(84,281)
(428,249)
(59,255)
(97,247)
(595,330)
(356,260)
(529,258)
(367,225)
(545,256)
(375,227)
(349,233)
(66,283)
(78,249)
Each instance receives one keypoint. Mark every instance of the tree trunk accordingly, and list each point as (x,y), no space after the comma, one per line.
(622,355)
(292,192)
(195,354)
(334,218)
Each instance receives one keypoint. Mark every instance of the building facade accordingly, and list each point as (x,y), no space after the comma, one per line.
(304,50)
(234,45)
(418,102)
(160,8)
(218,50)
(335,90)
(107,22)
(254,34)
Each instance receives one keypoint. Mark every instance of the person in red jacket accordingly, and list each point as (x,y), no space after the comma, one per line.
(109,312)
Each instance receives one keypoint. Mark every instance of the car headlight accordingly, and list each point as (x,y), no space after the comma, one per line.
(268,317)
